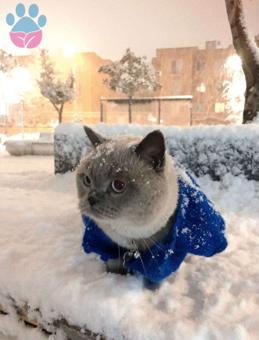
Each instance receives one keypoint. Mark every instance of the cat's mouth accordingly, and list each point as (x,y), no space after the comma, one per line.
(100,213)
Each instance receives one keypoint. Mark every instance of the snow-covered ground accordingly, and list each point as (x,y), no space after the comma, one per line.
(42,263)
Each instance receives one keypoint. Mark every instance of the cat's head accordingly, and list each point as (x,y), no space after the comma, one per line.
(124,183)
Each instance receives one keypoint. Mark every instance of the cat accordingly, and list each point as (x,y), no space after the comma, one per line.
(131,194)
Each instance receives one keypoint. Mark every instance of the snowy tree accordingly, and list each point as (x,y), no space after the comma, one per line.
(58,92)
(7,62)
(248,52)
(130,75)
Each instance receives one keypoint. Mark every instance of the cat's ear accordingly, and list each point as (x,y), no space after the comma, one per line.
(152,149)
(94,137)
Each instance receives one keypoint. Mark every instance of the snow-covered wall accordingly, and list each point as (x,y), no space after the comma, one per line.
(212,150)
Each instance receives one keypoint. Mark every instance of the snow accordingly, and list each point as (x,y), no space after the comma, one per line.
(130,75)
(56,90)
(256,119)
(24,136)
(12,330)
(214,150)
(42,264)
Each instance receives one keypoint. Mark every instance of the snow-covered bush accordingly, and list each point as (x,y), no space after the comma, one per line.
(212,150)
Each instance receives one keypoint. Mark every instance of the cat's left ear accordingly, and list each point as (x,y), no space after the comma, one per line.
(94,137)
(152,149)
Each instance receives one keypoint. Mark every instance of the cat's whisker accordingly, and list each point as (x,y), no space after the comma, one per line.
(142,262)
(146,244)
(149,249)
(154,243)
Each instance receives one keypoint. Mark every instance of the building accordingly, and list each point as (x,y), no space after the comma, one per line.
(32,112)
(196,72)
(189,71)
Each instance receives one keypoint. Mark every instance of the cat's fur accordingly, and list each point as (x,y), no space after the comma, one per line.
(151,195)
(140,215)
(129,188)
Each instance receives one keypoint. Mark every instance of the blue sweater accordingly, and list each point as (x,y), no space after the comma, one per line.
(197,229)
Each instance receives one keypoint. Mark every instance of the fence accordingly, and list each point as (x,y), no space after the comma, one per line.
(166,110)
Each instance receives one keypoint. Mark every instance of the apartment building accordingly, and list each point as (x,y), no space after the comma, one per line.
(196,72)
(187,71)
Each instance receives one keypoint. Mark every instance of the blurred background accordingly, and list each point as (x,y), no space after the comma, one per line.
(185,47)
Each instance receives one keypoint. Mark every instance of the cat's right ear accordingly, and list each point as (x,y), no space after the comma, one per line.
(152,149)
(94,137)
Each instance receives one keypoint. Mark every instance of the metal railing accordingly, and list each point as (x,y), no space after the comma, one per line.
(145,100)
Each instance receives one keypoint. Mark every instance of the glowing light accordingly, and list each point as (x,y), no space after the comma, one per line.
(13,87)
(21,80)
(69,51)
(152,119)
(201,88)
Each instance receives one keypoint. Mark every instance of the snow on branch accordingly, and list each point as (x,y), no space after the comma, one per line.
(7,61)
(130,75)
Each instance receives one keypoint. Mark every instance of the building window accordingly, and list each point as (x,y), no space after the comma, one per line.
(200,65)
(219,107)
(176,66)
(177,87)
(199,107)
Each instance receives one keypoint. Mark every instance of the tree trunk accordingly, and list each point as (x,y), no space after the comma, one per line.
(60,113)
(59,117)
(130,107)
(59,110)
(247,51)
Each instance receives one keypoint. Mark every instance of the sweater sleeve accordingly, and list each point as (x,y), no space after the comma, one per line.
(204,234)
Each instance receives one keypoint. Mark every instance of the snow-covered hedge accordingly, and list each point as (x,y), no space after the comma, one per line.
(212,150)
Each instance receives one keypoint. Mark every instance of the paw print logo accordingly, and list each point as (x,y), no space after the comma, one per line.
(26,31)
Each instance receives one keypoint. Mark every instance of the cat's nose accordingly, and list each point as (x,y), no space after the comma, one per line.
(92,200)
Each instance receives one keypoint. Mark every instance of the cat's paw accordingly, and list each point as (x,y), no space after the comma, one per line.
(115,266)
(150,285)
(26,32)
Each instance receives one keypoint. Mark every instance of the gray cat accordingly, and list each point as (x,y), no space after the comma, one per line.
(141,213)
(128,186)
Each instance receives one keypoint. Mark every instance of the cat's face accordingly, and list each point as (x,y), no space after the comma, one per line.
(121,183)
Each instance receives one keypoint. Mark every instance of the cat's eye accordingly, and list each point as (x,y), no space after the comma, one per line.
(118,185)
(86,181)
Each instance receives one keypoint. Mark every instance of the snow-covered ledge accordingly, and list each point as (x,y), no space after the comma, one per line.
(211,150)
(47,280)
(26,147)
(42,146)
(19,147)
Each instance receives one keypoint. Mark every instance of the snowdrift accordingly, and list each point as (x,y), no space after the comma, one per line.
(48,281)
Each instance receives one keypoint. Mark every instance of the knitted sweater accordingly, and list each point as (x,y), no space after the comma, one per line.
(197,229)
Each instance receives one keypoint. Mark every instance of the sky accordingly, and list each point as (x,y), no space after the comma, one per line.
(108,27)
